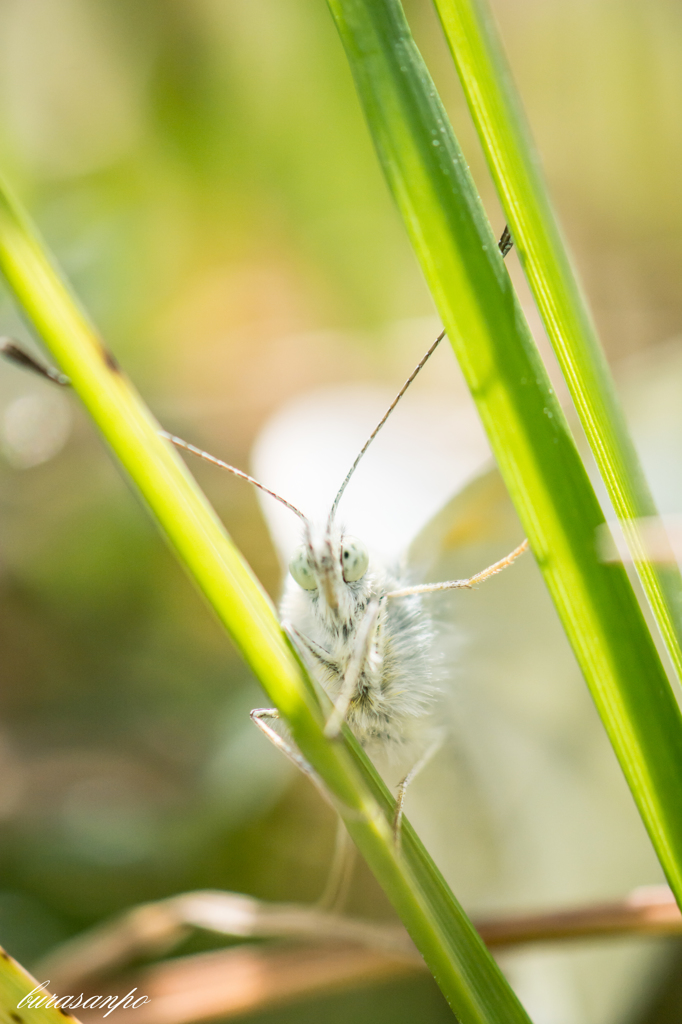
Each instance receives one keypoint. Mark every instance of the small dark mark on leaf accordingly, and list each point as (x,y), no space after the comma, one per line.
(17,1017)
(4,955)
(63,1011)
(111,360)
(506,242)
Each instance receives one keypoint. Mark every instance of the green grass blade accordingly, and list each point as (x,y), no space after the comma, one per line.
(465,971)
(18,990)
(515,167)
(526,427)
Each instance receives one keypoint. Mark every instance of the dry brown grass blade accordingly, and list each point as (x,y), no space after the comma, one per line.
(650,910)
(245,979)
(346,953)
(155,928)
(232,982)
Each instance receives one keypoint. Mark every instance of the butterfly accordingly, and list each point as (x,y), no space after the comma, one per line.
(361,628)
(524,806)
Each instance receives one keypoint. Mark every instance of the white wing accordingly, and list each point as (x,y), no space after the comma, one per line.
(424,454)
(650,385)
(527,808)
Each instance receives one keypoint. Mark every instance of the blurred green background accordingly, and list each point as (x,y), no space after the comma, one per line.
(203,174)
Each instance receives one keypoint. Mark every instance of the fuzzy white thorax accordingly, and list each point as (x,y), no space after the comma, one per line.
(395,684)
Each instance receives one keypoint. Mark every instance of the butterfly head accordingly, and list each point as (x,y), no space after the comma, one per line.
(333,567)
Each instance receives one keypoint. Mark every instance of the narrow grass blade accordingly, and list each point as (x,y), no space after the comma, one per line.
(497,112)
(429,179)
(22,1000)
(467,975)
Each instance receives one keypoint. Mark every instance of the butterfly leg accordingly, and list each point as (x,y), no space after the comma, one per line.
(340,871)
(492,570)
(365,637)
(343,860)
(323,659)
(259,717)
(427,756)
(319,655)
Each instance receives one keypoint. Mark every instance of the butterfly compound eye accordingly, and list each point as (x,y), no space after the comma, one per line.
(354,559)
(299,567)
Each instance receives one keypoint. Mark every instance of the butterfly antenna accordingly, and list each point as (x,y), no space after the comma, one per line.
(505,244)
(16,354)
(380,424)
(215,461)
(11,350)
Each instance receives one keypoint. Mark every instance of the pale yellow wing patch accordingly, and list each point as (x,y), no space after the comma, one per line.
(481,516)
